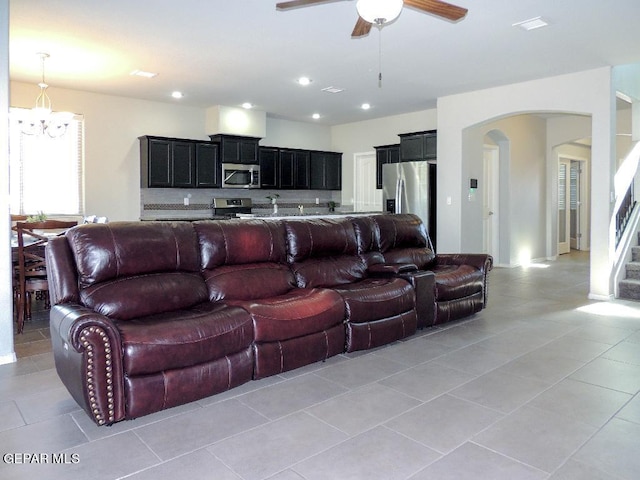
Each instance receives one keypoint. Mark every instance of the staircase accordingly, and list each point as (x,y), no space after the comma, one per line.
(629,288)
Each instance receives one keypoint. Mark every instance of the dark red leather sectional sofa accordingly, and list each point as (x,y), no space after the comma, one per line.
(151,315)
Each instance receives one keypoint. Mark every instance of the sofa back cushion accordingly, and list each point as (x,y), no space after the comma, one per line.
(403,239)
(323,252)
(368,239)
(244,259)
(131,269)
(236,242)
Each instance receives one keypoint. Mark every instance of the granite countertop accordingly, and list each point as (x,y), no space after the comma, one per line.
(279,216)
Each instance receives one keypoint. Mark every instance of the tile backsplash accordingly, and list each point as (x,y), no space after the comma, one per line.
(169,203)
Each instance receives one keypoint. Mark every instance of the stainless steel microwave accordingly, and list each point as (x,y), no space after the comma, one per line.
(238,175)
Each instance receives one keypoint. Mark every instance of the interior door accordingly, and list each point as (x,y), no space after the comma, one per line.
(366,197)
(490,200)
(564,203)
(574,205)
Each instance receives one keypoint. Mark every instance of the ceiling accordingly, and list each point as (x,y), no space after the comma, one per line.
(221,52)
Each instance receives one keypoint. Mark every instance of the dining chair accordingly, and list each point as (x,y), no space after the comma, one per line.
(30,273)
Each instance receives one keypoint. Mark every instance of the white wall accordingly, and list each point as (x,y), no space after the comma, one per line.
(589,93)
(526,197)
(285,133)
(360,137)
(112,127)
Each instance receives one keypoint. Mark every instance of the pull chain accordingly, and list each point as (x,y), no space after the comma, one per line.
(379,56)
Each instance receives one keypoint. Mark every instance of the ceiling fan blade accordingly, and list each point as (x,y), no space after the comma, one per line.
(439,8)
(361,29)
(297,3)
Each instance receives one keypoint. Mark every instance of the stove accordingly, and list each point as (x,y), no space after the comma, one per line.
(228,207)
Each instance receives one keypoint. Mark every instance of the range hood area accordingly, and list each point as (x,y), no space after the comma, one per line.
(235,121)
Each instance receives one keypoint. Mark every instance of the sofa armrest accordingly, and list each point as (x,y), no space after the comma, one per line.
(424,285)
(391,269)
(88,357)
(480,261)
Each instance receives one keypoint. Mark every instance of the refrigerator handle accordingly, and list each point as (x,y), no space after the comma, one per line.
(399,192)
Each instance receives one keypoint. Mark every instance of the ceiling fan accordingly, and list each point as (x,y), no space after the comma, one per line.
(380,12)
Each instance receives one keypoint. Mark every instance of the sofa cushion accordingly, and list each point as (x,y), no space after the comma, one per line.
(235,242)
(457,281)
(119,249)
(404,239)
(319,238)
(249,281)
(323,252)
(329,271)
(296,314)
(182,338)
(141,295)
(376,298)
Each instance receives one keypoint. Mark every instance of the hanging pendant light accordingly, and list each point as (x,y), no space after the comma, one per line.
(41,119)
(379,12)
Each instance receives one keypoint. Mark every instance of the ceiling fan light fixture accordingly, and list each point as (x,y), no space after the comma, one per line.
(379,12)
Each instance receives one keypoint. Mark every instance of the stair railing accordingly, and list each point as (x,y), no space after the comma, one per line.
(625,220)
(624,213)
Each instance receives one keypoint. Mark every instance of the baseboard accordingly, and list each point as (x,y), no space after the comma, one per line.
(10,358)
(604,298)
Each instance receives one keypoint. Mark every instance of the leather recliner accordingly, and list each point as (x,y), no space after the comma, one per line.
(324,253)
(459,283)
(133,330)
(244,264)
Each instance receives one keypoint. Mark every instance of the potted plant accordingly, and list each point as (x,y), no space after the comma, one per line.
(274,201)
(273,197)
(332,206)
(39,217)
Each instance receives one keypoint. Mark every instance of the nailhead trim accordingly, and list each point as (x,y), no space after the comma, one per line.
(90,374)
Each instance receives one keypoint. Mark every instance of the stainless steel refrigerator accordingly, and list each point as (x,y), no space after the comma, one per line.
(410,187)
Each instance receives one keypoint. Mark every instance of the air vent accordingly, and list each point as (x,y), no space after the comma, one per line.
(333,90)
(532,23)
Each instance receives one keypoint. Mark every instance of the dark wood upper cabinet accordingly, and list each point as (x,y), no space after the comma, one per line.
(418,146)
(155,162)
(208,172)
(385,154)
(293,169)
(269,167)
(178,163)
(325,171)
(184,174)
(237,149)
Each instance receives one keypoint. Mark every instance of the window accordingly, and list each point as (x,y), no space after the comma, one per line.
(46,173)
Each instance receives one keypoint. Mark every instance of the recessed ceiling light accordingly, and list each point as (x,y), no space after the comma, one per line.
(365,106)
(304,81)
(247,105)
(532,23)
(177,94)
(315,116)
(142,73)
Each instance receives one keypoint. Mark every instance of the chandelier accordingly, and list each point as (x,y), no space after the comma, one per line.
(41,120)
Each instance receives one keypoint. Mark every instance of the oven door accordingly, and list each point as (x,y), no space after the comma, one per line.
(237,175)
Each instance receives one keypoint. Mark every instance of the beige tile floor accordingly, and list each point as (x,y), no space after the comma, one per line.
(543,384)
